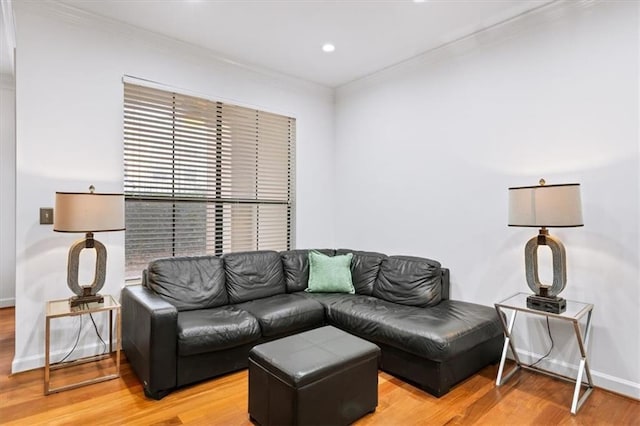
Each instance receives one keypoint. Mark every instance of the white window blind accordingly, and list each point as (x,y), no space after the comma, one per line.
(203,177)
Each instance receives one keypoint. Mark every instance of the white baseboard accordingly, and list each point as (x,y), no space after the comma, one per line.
(7,302)
(18,365)
(37,361)
(601,380)
(616,384)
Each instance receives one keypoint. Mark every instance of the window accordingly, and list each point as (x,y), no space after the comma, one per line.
(203,177)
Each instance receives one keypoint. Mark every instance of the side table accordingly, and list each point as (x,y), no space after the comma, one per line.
(60,309)
(574,313)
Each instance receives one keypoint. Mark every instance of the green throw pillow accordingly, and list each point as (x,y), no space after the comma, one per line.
(329,274)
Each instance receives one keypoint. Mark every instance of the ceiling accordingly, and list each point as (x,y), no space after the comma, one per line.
(286,35)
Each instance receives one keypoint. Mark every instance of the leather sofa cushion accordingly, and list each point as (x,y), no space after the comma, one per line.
(411,281)
(253,275)
(189,282)
(364,269)
(326,299)
(284,313)
(296,268)
(216,329)
(437,333)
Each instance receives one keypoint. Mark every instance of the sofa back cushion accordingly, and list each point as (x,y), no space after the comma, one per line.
(407,280)
(295,265)
(365,266)
(189,282)
(253,275)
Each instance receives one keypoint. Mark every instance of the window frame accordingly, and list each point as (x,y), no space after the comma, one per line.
(218,194)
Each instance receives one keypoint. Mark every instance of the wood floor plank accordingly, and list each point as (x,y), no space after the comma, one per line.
(527,399)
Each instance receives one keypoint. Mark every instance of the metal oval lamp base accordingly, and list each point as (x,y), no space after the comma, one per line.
(88,293)
(546,297)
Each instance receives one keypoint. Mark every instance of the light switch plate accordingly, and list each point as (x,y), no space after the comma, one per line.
(46,216)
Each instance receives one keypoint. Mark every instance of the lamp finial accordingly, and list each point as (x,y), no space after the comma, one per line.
(542,182)
(92,189)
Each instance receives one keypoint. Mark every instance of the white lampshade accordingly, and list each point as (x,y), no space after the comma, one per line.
(551,206)
(88,212)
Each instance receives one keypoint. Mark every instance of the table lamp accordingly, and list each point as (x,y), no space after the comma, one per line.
(545,206)
(87,212)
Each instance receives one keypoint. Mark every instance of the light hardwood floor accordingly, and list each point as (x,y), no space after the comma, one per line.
(526,400)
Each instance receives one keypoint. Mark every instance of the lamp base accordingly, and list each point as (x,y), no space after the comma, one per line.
(551,304)
(81,300)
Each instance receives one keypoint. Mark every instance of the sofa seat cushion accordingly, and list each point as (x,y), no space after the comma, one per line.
(284,313)
(327,300)
(210,330)
(437,333)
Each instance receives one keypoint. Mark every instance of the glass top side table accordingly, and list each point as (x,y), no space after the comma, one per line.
(574,313)
(61,308)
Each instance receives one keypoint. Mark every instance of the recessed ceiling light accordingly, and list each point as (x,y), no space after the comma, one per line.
(328,47)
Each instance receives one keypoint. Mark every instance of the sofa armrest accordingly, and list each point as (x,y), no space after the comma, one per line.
(445,283)
(149,339)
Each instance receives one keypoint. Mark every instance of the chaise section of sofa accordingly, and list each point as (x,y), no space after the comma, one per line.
(425,338)
(426,347)
(198,317)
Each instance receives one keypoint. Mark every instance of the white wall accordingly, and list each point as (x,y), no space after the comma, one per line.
(69,135)
(7,190)
(426,150)
(424,154)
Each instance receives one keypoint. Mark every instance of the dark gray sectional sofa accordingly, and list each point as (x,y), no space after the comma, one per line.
(196,318)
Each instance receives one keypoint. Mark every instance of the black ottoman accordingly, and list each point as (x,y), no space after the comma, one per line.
(320,377)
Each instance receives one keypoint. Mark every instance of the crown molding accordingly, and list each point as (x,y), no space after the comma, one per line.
(489,35)
(151,40)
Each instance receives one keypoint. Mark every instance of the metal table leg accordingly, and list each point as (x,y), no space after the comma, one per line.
(507,343)
(47,361)
(583,368)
